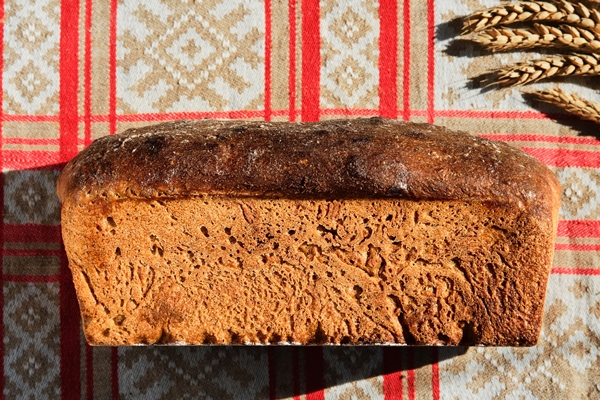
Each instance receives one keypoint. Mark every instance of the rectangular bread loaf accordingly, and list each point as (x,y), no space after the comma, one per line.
(366,231)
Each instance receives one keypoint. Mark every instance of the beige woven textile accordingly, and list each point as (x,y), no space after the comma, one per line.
(73,71)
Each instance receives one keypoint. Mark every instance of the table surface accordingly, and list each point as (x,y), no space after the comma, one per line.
(75,71)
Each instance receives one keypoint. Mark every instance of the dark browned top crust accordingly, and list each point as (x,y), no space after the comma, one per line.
(356,158)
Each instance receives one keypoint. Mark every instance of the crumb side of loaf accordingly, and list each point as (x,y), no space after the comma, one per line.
(346,232)
(224,270)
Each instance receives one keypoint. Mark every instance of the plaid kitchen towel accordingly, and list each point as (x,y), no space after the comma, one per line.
(73,71)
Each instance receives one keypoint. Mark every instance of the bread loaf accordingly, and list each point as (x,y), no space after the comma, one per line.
(366,231)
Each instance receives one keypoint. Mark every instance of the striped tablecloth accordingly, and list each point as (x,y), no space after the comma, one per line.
(72,71)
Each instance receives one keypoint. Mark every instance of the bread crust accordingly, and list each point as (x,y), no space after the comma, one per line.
(360,158)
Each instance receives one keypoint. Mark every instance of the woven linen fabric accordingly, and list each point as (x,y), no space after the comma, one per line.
(73,71)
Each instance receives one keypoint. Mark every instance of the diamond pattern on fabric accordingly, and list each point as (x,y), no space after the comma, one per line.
(30,80)
(30,198)
(200,56)
(349,74)
(31,341)
(199,372)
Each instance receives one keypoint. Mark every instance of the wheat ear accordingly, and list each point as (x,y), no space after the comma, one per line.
(548,67)
(511,13)
(571,103)
(576,14)
(580,15)
(499,39)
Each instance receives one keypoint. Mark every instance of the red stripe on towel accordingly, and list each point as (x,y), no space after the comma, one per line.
(392,373)
(268,42)
(112,69)
(311,60)
(388,58)
(68,119)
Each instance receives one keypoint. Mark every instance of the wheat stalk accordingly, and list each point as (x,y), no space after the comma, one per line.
(548,67)
(499,39)
(576,14)
(571,103)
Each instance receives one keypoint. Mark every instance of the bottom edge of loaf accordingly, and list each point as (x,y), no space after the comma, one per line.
(287,344)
